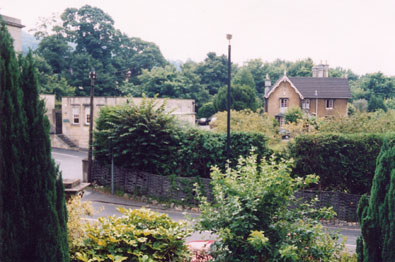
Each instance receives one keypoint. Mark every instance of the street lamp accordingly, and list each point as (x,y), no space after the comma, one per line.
(92,77)
(229,37)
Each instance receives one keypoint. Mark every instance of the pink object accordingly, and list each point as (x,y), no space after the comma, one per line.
(200,250)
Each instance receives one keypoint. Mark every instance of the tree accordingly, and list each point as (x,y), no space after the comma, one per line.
(243,77)
(12,132)
(46,232)
(376,103)
(161,81)
(377,214)
(213,72)
(98,45)
(56,52)
(242,97)
(33,216)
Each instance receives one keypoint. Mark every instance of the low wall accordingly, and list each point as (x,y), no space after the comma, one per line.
(181,188)
(143,183)
(345,205)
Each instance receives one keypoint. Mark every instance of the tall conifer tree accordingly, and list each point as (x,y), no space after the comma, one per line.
(377,214)
(12,136)
(32,213)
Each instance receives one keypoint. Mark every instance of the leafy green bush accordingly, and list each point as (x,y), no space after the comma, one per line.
(293,115)
(146,138)
(343,162)
(139,235)
(251,215)
(143,137)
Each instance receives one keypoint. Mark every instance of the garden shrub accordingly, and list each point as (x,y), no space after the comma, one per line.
(76,211)
(139,235)
(144,137)
(343,162)
(252,217)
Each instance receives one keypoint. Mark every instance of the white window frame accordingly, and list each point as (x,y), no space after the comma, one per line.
(329,103)
(87,113)
(76,115)
(306,103)
(284,102)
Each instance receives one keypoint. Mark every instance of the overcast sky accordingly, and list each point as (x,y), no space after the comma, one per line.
(355,34)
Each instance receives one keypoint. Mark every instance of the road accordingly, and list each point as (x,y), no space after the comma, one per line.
(70,163)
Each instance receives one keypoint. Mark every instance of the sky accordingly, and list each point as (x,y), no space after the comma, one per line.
(354,34)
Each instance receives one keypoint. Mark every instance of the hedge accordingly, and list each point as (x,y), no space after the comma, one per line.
(343,162)
(146,138)
(200,150)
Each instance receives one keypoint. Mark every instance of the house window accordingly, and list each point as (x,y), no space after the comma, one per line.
(329,103)
(306,104)
(283,102)
(87,115)
(76,115)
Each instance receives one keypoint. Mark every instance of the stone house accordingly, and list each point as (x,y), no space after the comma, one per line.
(76,115)
(319,95)
(14,27)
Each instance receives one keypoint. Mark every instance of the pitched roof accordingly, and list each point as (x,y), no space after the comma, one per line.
(326,87)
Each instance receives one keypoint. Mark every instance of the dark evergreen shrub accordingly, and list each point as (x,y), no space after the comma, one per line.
(32,208)
(377,215)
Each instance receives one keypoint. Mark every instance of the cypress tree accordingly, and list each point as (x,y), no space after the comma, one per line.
(12,135)
(377,215)
(33,211)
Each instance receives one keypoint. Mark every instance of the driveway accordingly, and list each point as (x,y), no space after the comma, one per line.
(70,162)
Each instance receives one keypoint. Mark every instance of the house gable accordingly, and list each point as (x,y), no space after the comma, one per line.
(279,82)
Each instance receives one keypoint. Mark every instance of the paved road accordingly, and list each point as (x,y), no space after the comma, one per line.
(70,163)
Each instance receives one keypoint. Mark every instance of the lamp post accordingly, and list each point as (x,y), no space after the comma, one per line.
(92,77)
(229,37)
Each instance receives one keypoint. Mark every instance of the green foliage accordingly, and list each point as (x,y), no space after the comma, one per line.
(343,162)
(143,137)
(243,77)
(241,97)
(375,103)
(32,208)
(248,121)
(293,115)
(207,110)
(377,214)
(251,216)
(390,103)
(98,45)
(213,72)
(374,122)
(200,150)
(140,235)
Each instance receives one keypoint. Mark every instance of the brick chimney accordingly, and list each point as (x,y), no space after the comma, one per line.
(321,70)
